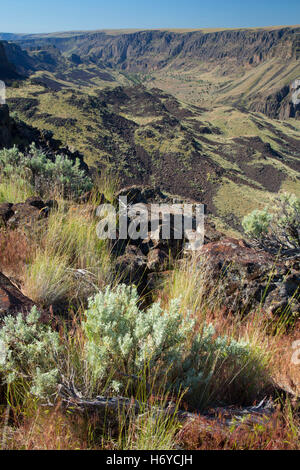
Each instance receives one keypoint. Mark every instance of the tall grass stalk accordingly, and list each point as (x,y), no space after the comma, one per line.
(156,425)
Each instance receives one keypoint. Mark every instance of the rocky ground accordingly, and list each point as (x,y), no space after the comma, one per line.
(241,278)
(250,278)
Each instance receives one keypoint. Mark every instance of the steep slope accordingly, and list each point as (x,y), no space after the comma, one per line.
(228,158)
(146,50)
(7,69)
(190,121)
(282,104)
(251,67)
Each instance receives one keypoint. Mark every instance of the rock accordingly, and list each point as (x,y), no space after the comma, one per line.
(164,222)
(157,260)
(153,254)
(5,213)
(211,234)
(25,214)
(141,194)
(12,301)
(5,125)
(284,298)
(282,104)
(244,279)
(132,266)
(52,204)
(35,202)
(156,280)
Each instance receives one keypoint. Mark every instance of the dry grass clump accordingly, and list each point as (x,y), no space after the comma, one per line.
(281,432)
(286,372)
(16,251)
(43,428)
(47,280)
(71,262)
(107,184)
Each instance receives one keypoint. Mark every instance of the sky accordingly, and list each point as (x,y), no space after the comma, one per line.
(42,16)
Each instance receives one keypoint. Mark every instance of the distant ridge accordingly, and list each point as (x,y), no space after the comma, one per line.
(22,36)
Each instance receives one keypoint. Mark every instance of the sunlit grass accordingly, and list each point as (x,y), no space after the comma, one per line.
(71,259)
(15,190)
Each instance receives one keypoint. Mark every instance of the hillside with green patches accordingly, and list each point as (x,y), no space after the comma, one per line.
(202,114)
(219,155)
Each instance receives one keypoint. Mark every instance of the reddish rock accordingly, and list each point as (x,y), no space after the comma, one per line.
(12,301)
(233,250)
(157,260)
(243,278)
(25,214)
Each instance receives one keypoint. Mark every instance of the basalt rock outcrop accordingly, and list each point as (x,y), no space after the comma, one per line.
(232,273)
(241,278)
(5,127)
(150,50)
(17,63)
(7,69)
(23,215)
(143,261)
(282,104)
(245,279)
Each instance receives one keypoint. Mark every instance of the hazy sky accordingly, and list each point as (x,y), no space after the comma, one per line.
(26,16)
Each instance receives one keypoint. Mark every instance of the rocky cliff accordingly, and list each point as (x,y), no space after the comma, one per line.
(233,53)
(282,104)
(5,127)
(16,63)
(7,69)
(146,50)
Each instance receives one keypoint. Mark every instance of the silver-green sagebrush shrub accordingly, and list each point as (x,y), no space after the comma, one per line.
(124,340)
(257,223)
(43,172)
(277,226)
(29,353)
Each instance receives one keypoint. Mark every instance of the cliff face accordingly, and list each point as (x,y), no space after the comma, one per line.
(282,104)
(7,69)
(18,58)
(17,63)
(5,127)
(14,62)
(234,52)
(292,109)
(153,49)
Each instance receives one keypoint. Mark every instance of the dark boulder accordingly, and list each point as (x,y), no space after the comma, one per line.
(25,215)
(35,202)
(5,213)
(244,279)
(12,301)
(157,260)
(131,267)
(5,127)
